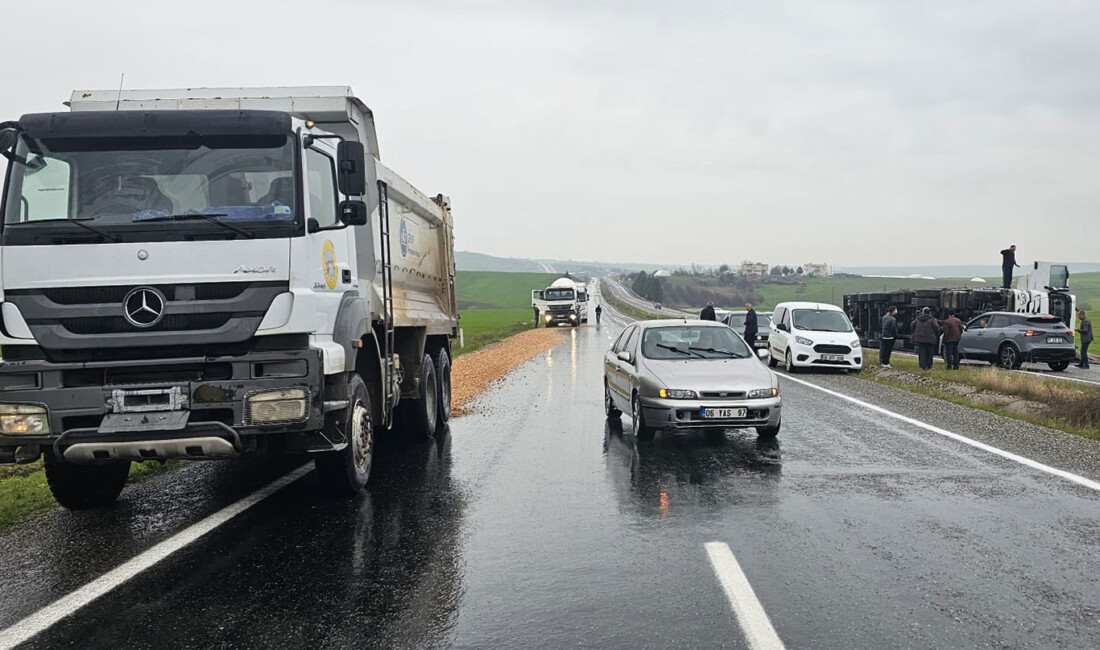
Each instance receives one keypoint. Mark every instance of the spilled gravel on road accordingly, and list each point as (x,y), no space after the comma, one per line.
(473,373)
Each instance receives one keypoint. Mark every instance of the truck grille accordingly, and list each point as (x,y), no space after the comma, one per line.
(79,318)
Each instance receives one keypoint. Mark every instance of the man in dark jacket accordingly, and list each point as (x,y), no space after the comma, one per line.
(926,334)
(1008,261)
(952,334)
(1084,328)
(888,336)
(708,312)
(751,328)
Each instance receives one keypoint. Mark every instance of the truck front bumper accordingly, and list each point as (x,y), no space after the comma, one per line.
(164,408)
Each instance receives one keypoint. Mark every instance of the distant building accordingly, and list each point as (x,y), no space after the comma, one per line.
(812,270)
(754,268)
(662,274)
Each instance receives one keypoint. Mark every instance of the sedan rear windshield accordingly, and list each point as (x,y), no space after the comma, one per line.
(693,342)
(821,320)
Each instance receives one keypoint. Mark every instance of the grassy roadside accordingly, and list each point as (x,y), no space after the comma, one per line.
(481,327)
(1052,403)
(23,488)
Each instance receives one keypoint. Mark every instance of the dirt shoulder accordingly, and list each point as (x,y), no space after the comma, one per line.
(474,372)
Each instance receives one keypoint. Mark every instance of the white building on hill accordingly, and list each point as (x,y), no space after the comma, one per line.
(754,268)
(813,270)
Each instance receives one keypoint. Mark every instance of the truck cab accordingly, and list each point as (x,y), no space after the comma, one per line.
(206,274)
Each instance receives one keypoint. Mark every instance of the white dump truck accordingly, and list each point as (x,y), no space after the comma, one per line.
(558,303)
(207,273)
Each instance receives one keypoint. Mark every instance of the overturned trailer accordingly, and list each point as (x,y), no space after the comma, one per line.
(867,309)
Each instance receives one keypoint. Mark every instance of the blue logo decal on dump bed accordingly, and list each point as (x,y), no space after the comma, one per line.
(404,239)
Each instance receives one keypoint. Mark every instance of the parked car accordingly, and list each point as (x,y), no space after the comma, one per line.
(656,305)
(813,335)
(689,374)
(736,320)
(1008,339)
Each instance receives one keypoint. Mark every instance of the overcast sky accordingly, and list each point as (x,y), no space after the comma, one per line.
(855,133)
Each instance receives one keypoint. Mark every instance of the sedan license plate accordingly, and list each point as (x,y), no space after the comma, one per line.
(1055,339)
(832,357)
(724,414)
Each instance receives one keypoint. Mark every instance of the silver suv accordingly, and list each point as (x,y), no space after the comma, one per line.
(1009,339)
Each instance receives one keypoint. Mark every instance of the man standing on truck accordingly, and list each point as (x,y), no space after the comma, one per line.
(888,336)
(750,325)
(1008,261)
(1085,328)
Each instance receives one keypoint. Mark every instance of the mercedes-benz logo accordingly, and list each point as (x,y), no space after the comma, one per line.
(143,306)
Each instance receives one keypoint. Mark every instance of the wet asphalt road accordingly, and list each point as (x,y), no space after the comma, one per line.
(533,524)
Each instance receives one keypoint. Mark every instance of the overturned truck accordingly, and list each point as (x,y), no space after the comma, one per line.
(1044,291)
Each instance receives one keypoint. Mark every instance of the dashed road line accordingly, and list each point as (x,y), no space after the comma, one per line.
(53,613)
(750,613)
(1023,460)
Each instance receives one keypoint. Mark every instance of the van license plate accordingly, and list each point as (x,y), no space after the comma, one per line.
(832,357)
(1055,339)
(724,414)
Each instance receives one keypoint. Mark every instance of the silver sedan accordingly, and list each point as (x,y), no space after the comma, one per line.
(689,375)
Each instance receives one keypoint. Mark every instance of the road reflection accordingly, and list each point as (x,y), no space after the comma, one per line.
(676,473)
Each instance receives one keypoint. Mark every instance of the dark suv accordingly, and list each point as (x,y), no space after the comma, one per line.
(1009,339)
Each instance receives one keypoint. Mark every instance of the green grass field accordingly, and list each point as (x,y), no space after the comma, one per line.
(493,290)
(480,327)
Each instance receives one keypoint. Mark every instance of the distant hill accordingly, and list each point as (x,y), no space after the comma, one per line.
(470,261)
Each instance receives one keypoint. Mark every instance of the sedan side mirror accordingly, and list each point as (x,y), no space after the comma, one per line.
(625,356)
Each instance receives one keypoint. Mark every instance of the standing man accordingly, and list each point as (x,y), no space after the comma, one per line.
(751,328)
(708,312)
(599,312)
(1085,328)
(1008,261)
(889,335)
(926,334)
(536,315)
(952,334)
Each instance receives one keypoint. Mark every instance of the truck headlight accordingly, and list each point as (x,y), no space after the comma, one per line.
(803,341)
(24,419)
(549,317)
(675,393)
(763,393)
(572,317)
(270,406)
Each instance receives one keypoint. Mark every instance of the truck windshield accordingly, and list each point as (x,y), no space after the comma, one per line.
(89,190)
(558,294)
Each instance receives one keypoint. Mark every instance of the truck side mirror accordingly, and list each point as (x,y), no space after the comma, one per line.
(351,168)
(8,136)
(353,213)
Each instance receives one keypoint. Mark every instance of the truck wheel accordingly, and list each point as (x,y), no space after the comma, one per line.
(443,379)
(346,471)
(421,415)
(79,487)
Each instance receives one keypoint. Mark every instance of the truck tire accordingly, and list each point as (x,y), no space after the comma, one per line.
(345,472)
(80,487)
(443,390)
(420,416)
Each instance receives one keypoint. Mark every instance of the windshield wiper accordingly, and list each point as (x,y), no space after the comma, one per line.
(673,348)
(732,354)
(80,222)
(212,218)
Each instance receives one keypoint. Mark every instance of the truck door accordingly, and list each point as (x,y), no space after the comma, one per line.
(331,266)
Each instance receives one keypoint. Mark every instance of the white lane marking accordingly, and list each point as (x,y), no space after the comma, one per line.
(746,606)
(51,614)
(1034,464)
(1048,375)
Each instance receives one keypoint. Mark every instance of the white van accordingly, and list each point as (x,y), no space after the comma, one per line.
(813,335)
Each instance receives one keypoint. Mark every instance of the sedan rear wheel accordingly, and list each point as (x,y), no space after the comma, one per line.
(1058,366)
(609,404)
